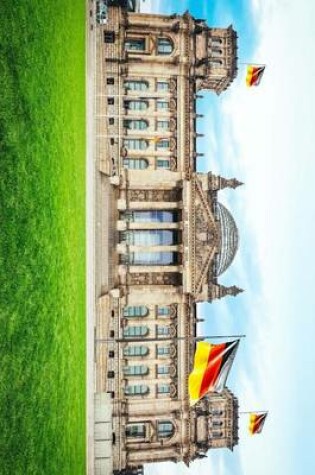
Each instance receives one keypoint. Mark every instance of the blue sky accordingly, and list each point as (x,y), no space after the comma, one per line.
(265,136)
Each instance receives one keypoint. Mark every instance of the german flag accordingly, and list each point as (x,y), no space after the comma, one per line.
(254,75)
(211,368)
(256,422)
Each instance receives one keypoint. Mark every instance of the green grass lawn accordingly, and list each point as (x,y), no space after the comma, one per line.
(42,237)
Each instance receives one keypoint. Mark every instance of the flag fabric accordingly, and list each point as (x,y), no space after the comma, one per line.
(212,365)
(256,422)
(254,75)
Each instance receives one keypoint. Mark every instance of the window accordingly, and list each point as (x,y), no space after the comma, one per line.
(152,237)
(163,311)
(153,216)
(163,125)
(163,86)
(216,63)
(164,46)
(110,81)
(136,431)
(163,370)
(217,423)
(163,144)
(135,44)
(163,388)
(136,124)
(216,434)
(140,311)
(110,101)
(136,351)
(136,85)
(216,53)
(164,331)
(136,105)
(162,105)
(163,350)
(136,390)
(217,412)
(136,144)
(135,163)
(163,164)
(135,331)
(216,41)
(109,36)
(165,429)
(139,370)
(111,121)
(150,258)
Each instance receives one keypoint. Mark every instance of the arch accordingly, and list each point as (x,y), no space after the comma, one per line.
(136,311)
(136,105)
(165,46)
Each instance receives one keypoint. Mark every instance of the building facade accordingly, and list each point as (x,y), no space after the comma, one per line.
(171,237)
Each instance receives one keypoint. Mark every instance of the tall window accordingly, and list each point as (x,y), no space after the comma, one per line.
(135,44)
(164,46)
(150,258)
(135,163)
(136,144)
(136,105)
(163,350)
(163,125)
(165,429)
(136,431)
(163,331)
(139,370)
(216,63)
(162,105)
(136,124)
(136,390)
(163,144)
(140,311)
(163,370)
(216,53)
(217,423)
(163,311)
(163,164)
(163,388)
(215,41)
(216,434)
(153,216)
(163,86)
(135,331)
(152,237)
(136,85)
(136,351)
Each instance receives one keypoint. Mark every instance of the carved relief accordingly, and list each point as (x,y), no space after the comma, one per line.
(152,278)
(155,195)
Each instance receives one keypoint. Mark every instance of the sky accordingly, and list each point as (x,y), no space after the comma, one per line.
(265,137)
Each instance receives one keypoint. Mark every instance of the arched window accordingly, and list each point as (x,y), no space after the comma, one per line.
(139,370)
(136,351)
(135,44)
(164,46)
(165,429)
(135,331)
(136,390)
(216,53)
(215,41)
(162,105)
(136,144)
(140,311)
(216,63)
(136,85)
(163,311)
(216,412)
(136,431)
(163,144)
(216,434)
(163,388)
(163,350)
(139,124)
(217,423)
(135,163)
(136,105)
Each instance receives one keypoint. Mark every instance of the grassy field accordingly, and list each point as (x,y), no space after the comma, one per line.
(42,240)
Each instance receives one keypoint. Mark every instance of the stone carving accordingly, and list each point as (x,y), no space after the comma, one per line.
(155,195)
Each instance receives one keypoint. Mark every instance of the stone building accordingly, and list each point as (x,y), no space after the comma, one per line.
(171,237)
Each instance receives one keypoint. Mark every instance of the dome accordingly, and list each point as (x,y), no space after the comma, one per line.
(229,238)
